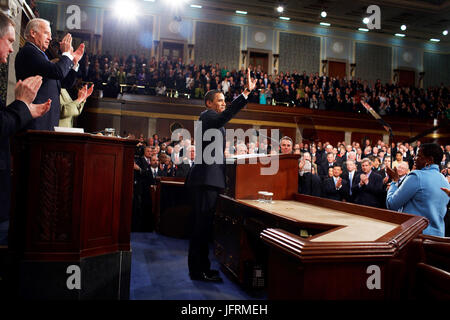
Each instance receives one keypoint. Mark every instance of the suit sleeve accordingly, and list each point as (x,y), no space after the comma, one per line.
(13,118)
(69,81)
(218,120)
(37,64)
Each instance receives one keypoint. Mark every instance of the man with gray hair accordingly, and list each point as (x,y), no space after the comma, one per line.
(31,60)
(12,119)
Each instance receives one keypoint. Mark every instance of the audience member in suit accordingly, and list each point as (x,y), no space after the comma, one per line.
(31,60)
(13,118)
(368,186)
(324,166)
(207,180)
(335,188)
(146,171)
(402,171)
(351,156)
(185,166)
(386,180)
(350,176)
(308,183)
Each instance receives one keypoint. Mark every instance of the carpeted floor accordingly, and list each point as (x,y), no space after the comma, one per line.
(159,272)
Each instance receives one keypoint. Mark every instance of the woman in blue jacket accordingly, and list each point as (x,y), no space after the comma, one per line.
(420,192)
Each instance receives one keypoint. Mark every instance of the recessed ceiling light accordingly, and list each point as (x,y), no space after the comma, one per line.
(445,32)
(280,9)
(323,14)
(403,27)
(363,29)
(366,20)
(285,18)
(435,40)
(241,12)
(326,24)
(400,35)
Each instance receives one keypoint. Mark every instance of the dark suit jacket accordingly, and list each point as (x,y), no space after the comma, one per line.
(345,176)
(330,191)
(30,61)
(145,175)
(310,184)
(12,119)
(368,195)
(213,175)
(183,170)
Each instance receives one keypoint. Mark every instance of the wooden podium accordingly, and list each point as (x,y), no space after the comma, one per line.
(303,247)
(71,216)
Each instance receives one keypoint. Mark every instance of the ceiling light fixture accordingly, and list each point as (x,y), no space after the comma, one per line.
(366,20)
(435,40)
(326,24)
(323,14)
(285,18)
(403,27)
(401,35)
(445,32)
(363,29)
(241,12)
(280,9)
(196,6)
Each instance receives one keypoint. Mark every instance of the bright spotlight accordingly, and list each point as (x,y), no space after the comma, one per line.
(445,32)
(126,10)
(323,14)
(366,20)
(280,9)
(403,27)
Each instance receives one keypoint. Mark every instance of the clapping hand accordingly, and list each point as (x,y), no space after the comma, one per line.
(27,89)
(84,93)
(393,174)
(66,43)
(339,183)
(38,110)
(78,54)
(363,179)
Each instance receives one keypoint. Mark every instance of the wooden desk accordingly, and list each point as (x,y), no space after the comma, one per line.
(311,248)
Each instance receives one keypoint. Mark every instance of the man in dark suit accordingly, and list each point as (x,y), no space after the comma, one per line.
(13,118)
(368,186)
(308,183)
(326,165)
(335,188)
(31,60)
(207,180)
(185,166)
(350,175)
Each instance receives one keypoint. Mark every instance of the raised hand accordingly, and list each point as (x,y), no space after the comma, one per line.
(393,174)
(251,84)
(27,89)
(66,43)
(38,110)
(82,94)
(78,54)
(90,90)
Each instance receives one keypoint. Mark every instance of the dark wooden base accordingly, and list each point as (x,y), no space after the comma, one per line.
(102,277)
